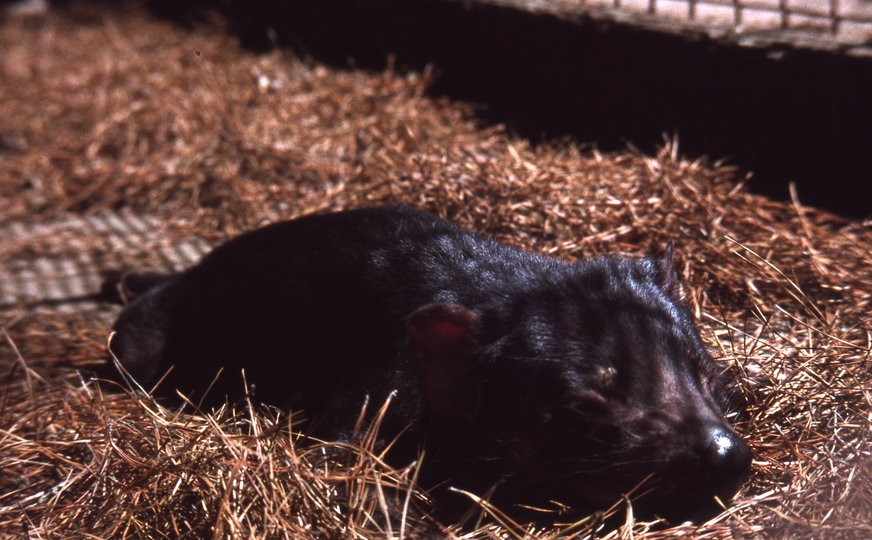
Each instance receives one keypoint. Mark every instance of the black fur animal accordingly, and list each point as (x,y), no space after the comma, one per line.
(569,382)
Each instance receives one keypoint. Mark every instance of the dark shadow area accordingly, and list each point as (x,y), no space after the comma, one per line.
(805,117)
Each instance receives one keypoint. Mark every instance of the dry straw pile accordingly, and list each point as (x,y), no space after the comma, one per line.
(107,109)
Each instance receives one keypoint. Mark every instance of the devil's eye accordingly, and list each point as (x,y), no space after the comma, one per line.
(605,377)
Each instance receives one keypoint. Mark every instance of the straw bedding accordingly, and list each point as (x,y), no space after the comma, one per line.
(104,110)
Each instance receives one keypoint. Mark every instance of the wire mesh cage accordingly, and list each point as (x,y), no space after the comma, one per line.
(834,25)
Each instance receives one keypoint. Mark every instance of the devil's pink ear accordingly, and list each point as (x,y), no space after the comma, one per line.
(441,337)
(668,275)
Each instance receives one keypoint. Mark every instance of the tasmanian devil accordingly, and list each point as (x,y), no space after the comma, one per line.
(561,381)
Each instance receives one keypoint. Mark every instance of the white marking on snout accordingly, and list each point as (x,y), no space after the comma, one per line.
(724,442)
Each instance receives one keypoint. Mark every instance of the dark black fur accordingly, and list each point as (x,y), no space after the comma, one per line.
(570,382)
